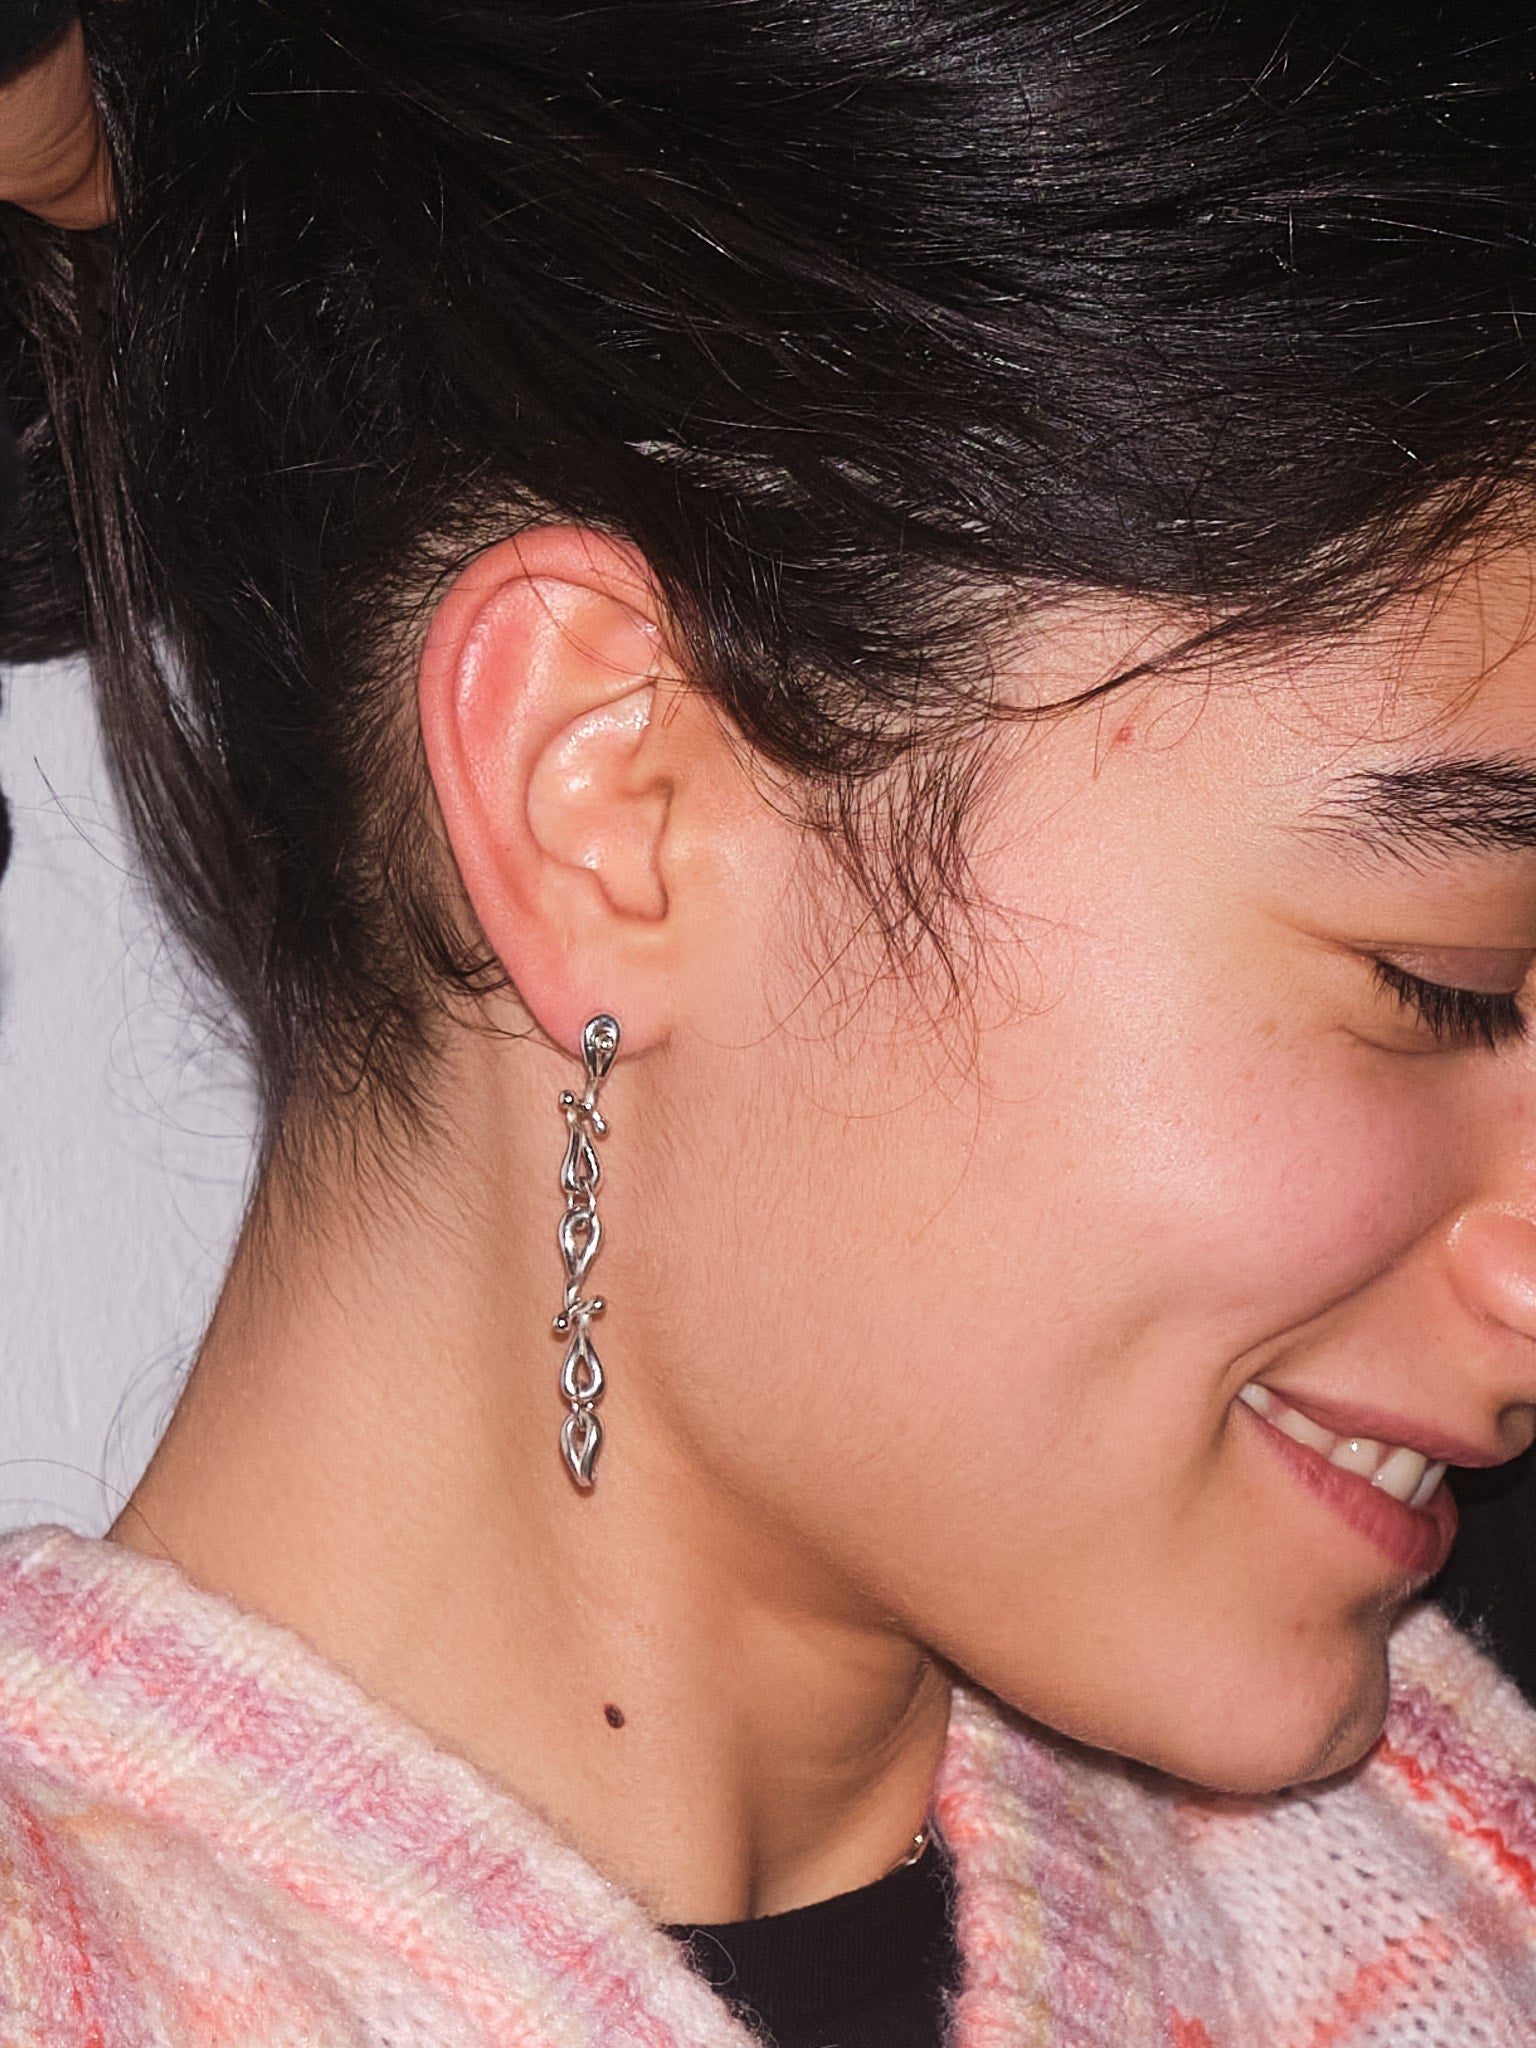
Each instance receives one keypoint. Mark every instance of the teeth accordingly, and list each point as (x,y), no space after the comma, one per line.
(1290,1422)
(1360,1454)
(1406,1475)
(1400,1474)
(1433,1474)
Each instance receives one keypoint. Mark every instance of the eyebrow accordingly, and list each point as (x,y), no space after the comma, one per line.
(1438,807)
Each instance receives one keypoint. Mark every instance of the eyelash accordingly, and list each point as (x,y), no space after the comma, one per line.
(1456,1016)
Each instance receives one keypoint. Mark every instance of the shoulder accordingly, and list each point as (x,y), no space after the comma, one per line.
(1401,1894)
(120,1928)
(1439,1670)
(59,1911)
(1460,1746)
(128,1914)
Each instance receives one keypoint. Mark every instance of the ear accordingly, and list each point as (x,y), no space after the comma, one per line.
(564,749)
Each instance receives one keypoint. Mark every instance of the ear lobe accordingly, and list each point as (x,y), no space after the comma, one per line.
(536,691)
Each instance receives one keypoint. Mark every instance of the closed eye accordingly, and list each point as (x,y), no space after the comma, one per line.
(1457,1017)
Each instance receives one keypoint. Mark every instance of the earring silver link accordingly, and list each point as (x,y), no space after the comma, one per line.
(580,1238)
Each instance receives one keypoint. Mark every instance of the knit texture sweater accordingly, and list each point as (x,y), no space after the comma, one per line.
(210,1836)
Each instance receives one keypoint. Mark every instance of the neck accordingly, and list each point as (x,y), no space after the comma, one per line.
(367,1451)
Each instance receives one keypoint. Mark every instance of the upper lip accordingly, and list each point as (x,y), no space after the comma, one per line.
(1348,1419)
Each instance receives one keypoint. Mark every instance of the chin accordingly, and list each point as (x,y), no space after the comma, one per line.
(1238,1713)
(1312,1724)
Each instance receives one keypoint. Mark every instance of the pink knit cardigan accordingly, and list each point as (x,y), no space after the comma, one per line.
(209,1836)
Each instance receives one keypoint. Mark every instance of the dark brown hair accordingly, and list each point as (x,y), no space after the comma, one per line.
(867,321)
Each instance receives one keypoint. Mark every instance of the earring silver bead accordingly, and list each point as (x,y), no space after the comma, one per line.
(580,1236)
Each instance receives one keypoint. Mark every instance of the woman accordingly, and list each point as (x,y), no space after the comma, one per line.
(846,698)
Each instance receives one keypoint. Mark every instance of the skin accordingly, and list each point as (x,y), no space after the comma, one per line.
(926,1319)
(53,154)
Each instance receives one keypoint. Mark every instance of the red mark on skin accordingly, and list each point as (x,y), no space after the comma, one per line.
(1124,736)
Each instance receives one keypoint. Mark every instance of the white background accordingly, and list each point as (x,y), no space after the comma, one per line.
(124,1131)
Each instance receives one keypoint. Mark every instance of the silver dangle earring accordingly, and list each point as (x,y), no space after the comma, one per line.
(581,1233)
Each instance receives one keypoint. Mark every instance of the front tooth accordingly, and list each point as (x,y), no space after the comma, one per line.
(1425,1491)
(1290,1422)
(1360,1454)
(1400,1474)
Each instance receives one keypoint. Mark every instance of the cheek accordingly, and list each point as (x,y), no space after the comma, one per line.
(1253,1186)
(1078,1249)
(1060,1325)
(988,1368)
(1190,1113)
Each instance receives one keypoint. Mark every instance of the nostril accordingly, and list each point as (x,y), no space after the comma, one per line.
(1493,1259)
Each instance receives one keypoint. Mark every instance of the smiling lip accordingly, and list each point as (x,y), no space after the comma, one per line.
(1417,1540)
(1353,1421)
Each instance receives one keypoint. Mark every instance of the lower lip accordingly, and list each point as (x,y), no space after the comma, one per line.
(1416,1540)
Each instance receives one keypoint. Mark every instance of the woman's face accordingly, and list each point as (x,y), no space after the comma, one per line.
(1062,1325)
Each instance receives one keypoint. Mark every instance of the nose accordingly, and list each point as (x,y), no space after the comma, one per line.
(1492,1259)
(1493,1266)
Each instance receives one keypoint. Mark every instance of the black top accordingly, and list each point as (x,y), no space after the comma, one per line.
(867,1970)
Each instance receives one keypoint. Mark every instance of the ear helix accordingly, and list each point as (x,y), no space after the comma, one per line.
(580,1236)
